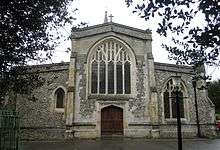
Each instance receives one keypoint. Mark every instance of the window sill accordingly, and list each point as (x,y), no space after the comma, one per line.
(110,96)
(59,110)
(174,121)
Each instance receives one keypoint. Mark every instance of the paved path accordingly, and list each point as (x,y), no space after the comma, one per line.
(124,144)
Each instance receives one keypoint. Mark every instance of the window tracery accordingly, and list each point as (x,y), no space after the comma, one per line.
(110,67)
(169,99)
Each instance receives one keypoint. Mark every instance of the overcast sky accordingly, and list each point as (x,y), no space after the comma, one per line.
(92,12)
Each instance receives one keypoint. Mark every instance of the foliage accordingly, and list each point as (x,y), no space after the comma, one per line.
(202,43)
(26,31)
(214,94)
(217,116)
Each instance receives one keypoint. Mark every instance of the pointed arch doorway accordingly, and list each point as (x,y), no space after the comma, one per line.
(112,120)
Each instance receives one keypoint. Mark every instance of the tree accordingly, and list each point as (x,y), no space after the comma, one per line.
(198,44)
(214,94)
(26,31)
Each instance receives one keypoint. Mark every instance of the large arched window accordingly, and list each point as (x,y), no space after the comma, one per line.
(59,96)
(170,100)
(110,68)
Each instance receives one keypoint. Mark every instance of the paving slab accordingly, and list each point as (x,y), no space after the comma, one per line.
(122,144)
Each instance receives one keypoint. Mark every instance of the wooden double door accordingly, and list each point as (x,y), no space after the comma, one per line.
(112,121)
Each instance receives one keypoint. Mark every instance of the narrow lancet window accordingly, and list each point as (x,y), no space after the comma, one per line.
(127,75)
(110,78)
(166,104)
(119,78)
(60,94)
(94,77)
(102,78)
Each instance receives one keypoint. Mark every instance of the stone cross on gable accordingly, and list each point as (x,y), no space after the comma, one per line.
(110,16)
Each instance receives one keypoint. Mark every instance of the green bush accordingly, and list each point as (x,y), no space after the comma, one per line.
(217,116)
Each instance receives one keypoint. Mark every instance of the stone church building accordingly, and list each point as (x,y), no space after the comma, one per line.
(112,86)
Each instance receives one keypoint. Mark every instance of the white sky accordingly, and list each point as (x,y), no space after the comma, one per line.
(92,12)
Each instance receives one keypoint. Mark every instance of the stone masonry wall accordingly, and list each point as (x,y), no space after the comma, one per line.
(39,118)
(84,107)
(137,105)
(206,109)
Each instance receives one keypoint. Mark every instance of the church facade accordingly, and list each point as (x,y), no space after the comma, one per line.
(112,86)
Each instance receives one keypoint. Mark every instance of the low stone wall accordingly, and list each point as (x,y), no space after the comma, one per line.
(134,131)
(42,133)
(188,131)
(208,130)
(85,131)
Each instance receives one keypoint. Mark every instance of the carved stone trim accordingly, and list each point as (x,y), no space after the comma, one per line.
(83,124)
(117,103)
(110,97)
(139,124)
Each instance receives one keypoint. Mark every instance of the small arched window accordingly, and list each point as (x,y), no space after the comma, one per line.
(170,100)
(59,95)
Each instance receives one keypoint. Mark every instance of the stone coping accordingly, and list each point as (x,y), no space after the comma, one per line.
(64,66)
(168,124)
(141,124)
(42,127)
(112,23)
(48,67)
(110,27)
(173,68)
(111,97)
(83,124)
(130,124)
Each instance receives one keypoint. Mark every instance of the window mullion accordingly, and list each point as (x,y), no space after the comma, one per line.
(170,103)
(115,78)
(98,76)
(123,74)
(123,77)
(90,76)
(115,63)
(106,77)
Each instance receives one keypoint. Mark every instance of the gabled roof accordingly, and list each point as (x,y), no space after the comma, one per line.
(174,68)
(111,27)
